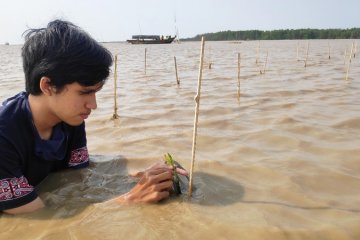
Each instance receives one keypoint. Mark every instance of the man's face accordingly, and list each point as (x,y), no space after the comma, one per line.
(74,103)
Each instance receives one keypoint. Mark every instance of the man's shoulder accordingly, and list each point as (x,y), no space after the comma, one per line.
(13,117)
(13,108)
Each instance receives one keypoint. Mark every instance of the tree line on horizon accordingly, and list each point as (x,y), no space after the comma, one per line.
(351,33)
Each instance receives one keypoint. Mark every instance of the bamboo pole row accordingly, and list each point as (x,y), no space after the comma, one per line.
(263,70)
(352,54)
(353,49)
(347,59)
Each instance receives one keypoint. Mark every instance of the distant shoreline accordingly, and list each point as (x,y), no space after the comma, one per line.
(284,34)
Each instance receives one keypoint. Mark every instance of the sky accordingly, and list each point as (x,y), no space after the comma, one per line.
(118,20)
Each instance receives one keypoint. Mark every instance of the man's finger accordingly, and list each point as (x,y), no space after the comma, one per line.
(163,186)
(182,172)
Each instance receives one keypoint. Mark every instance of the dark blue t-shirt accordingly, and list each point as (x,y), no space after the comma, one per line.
(26,159)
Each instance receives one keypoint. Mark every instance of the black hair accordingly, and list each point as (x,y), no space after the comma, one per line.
(65,54)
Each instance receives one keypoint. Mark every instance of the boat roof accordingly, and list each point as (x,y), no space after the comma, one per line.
(146,36)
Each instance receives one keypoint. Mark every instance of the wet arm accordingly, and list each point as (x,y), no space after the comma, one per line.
(29,207)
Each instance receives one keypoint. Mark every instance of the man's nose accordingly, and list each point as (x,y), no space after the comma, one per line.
(91,104)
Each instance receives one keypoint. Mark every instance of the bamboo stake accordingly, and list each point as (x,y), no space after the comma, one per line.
(145,61)
(197,100)
(297,51)
(210,58)
(115,115)
(345,55)
(307,54)
(348,67)
(257,53)
(329,49)
(238,76)
(355,49)
(263,71)
(352,50)
(176,72)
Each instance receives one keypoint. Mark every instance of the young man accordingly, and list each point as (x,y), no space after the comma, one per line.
(42,130)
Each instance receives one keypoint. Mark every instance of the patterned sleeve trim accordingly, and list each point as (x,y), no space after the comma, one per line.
(79,157)
(14,188)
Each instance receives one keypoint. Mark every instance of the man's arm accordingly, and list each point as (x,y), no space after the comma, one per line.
(29,207)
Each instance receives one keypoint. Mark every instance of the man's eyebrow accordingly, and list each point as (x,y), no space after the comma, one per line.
(92,90)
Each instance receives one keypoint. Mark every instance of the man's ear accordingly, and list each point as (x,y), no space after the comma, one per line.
(45,86)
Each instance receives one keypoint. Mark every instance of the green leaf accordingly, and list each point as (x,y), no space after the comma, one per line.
(170,161)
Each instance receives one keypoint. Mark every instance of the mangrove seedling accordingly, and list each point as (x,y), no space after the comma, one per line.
(176,183)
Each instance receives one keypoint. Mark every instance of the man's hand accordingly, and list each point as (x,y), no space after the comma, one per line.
(154,185)
(160,164)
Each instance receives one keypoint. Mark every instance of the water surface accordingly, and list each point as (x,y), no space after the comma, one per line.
(279,162)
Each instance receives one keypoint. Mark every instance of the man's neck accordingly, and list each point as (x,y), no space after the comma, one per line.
(43,119)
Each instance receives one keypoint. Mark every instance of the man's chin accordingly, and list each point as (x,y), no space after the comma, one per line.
(74,123)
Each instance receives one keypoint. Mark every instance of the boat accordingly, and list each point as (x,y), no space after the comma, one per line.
(151,39)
